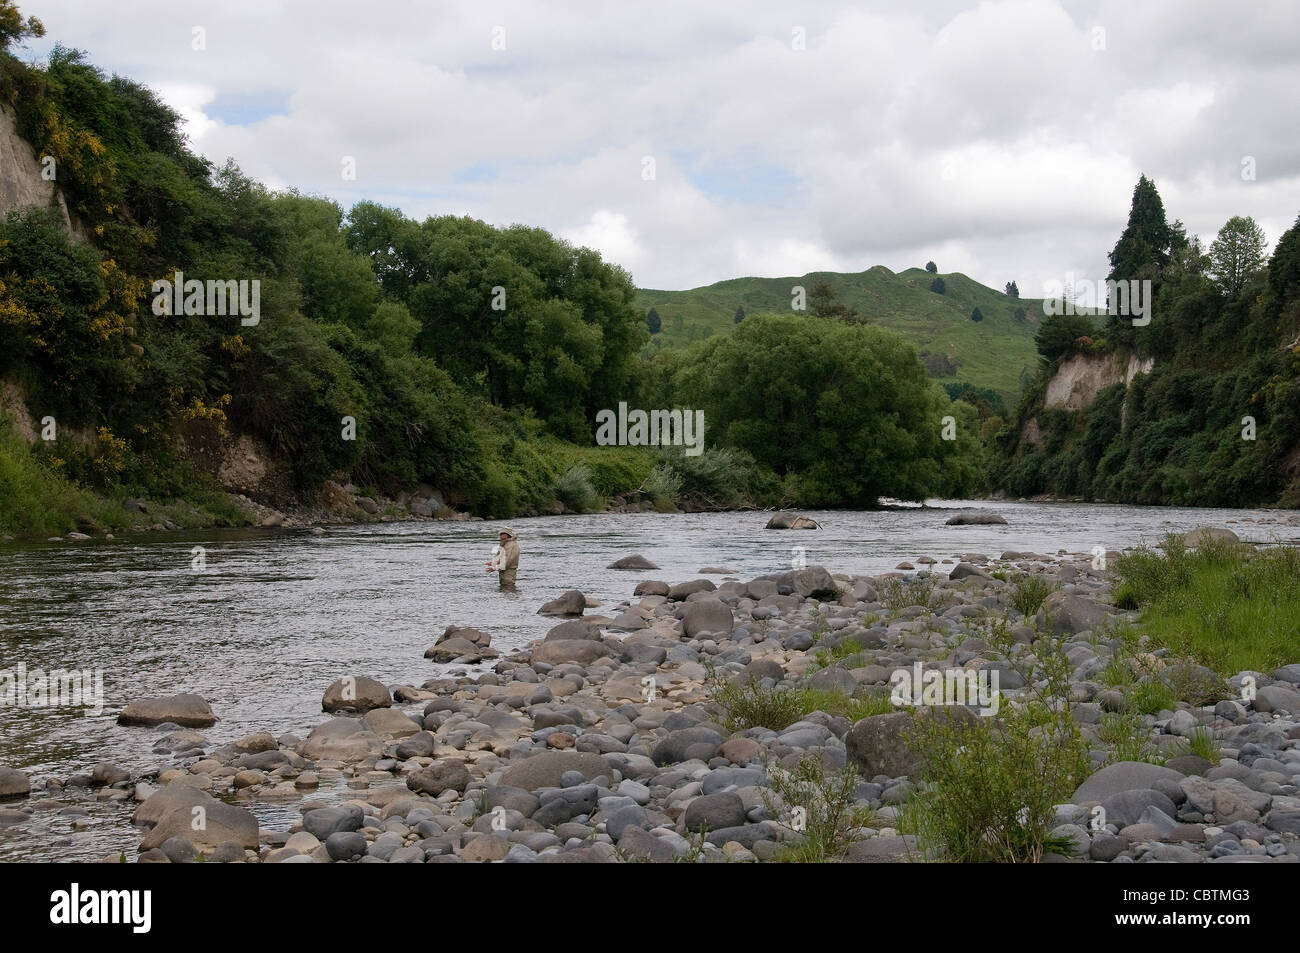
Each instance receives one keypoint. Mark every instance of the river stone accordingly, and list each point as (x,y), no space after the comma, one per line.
(581,651)
(787,520)
(391,722)
(452,649)
(324,821)
(1122,776)
(1205,534)
(571,602)
(878,743)
(814,583)
(631,815)
(105,774)
(198,817)
(707,615)
(834,678)
(186,709)
(418,745)
(636,561)
(739,750)
(715,811)
(14,783)
(438,777)
(257,743)
(887,849)
(976,518)
(642,845)
(651,587)
(683,589)
(967,571)
(684,744)
(485,848)
(356,693)
(574,630)
(1128,807)
(1277,698)
(340,739)
(344,845)
(1071,614)
(759,669)
(1284,822)
(545,770)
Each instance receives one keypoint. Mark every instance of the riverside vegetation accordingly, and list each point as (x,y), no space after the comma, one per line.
(752,721)
(469,359)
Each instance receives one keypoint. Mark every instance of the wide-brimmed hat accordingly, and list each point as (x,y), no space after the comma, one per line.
(506,531)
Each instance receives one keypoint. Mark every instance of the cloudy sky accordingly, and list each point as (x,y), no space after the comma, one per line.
(697,141)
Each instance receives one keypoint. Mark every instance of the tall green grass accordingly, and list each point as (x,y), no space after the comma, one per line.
(35,501)
(1227,606)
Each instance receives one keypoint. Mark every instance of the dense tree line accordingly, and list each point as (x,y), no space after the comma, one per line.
(1217,419)
(470,357)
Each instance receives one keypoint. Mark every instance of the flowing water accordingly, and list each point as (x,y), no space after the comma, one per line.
(279,614)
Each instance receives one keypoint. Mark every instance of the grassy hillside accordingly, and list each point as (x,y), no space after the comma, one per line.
(991,353)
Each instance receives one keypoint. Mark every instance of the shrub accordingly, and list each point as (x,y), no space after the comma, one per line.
(1029,594)
(831,822)
(747,704)
(664,487)
(990,786)
(575,491)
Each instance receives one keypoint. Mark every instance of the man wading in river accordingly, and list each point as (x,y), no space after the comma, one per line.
(506,561)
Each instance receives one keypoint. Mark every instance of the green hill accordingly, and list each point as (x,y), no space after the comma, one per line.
(991,353)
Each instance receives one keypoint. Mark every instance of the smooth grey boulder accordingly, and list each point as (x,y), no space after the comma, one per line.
(186,709)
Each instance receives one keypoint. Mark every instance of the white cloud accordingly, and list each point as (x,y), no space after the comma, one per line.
(993,137)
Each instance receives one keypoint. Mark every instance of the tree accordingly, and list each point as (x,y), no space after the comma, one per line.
(931,267)
(824,304)
(1060,333)
(977,315)
(846,407)
(652,321)
(740,315)
(938,287)
(1143,247)
(1011,290)
(13,28)
(1237,254)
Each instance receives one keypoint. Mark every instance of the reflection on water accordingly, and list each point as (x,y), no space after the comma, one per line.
(279,614)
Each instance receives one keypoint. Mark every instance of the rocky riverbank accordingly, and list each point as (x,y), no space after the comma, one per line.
(614,739)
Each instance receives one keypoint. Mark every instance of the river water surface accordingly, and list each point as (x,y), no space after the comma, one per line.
(279,614)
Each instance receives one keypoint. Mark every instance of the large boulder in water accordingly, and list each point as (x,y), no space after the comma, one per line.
(186,709)
(976,518)
(636,561)
(1209,534)
(787,520)
(475,636)
(14,783)
(572,602)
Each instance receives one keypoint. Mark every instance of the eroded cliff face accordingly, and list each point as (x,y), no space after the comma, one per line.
(1079,380)
(21,180)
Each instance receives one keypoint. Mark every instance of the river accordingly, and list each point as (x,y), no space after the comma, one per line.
(279,614)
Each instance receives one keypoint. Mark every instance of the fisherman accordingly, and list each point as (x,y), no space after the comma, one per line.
(505,558)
